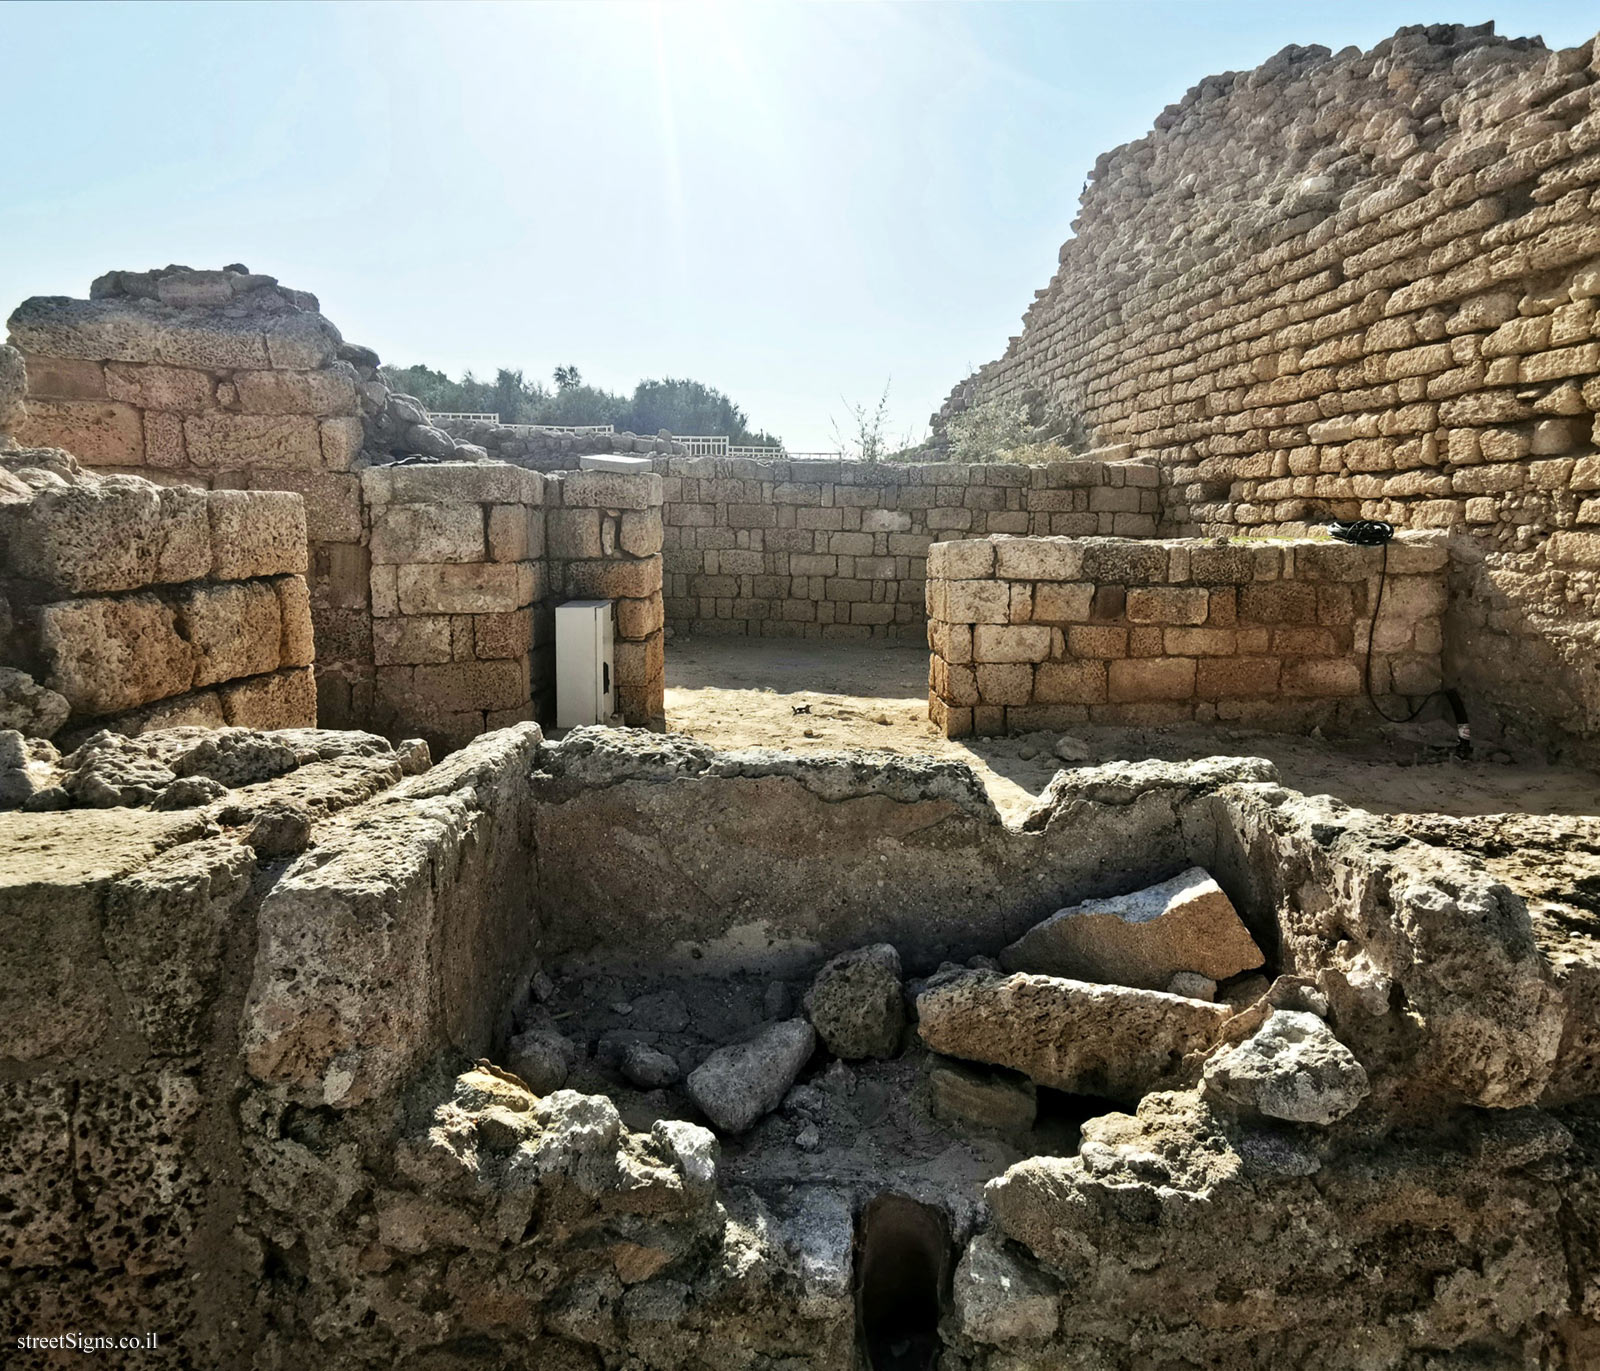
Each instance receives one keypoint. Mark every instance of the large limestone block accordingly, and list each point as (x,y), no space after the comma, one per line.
(164,931)
(736,1085)
(257,533)
(93,330)
(1143,939)
(1293,1068)
(322,393)
(236,630)
(280,699)
(1069,1035)
(427,533)
(231,441)
(298,647)
(83,538)
(184,535)
(107,655)
(453,483)
(97,432)
(59,996)
(465,587)
(382,946)
(611,490)
(162,388)
(614,579)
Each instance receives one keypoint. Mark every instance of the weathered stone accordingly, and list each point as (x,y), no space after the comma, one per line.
(29,707)
(965,1095)
(1000,1299)
(736,1085)
(856,1004)
(1069,1035)
(648,1068)
(1293,1068)
(542,1058)
(107,654)
(1142,939)
(281,829)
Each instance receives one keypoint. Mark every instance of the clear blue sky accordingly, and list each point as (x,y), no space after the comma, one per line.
(792,202)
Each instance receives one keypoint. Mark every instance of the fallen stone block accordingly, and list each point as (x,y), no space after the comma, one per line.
(964,1095)
(1106,1040)
(736,1085)
(1293,1068)
(1142,939)
(856,1005)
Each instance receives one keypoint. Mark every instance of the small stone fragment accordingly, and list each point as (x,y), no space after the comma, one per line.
(856,1004)
(542,1058)
(648,1068)
(965,1095)
(1072,750)
(190,792)
(998,1299)
(28,707)
(1193,986)
(1291,1068)
(281,829)
(736,1085)
(414,756)
(1141,939)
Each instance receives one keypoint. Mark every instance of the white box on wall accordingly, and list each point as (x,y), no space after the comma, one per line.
(585,677)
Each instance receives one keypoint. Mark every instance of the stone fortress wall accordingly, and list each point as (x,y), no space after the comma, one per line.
(838,549)
(1033,633)
(435,621)
(127,605)
(1363,284)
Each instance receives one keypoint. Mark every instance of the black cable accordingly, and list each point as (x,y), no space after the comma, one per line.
(1374,533)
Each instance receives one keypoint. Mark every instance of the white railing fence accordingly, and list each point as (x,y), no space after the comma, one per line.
(474,418)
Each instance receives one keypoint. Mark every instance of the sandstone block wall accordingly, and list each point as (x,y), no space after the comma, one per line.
(1363,284)
(145,606)
(809,548)
(457,558)
(1050,632)
(229,380)
(603,542)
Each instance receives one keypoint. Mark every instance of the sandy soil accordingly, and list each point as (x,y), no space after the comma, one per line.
(735,692)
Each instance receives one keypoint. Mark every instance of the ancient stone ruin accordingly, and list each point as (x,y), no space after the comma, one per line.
(355,1016)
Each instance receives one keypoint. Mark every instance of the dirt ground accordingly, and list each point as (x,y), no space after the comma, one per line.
(738,692)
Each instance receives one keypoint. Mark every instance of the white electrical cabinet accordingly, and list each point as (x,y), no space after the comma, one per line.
(584,675)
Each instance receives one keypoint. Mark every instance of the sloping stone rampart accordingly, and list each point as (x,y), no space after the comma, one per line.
(1362,284)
